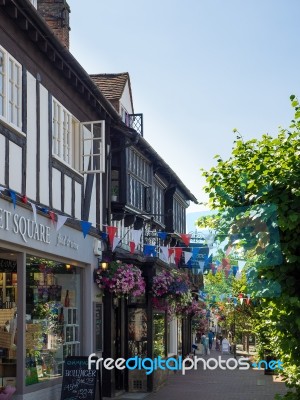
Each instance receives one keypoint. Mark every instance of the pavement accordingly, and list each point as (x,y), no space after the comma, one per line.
(216,384)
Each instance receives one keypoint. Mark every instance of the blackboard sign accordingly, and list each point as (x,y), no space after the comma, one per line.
(98,318)
(79,382)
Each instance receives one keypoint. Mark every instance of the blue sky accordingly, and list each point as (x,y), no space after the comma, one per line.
(198,69)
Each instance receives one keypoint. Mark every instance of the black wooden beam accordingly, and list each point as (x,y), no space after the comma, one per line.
(34,35)
(23,24)
(43,45)
(51,54)
(12,12)
(59,63)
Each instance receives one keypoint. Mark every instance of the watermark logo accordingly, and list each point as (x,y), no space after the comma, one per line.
(178,364)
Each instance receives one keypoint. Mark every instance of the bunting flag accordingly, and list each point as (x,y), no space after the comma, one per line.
(44,209)
(170,251)
(213,269)
(225,263)
(186,238)
(228,251)
(85,226)
(13,196)
(104,235)
(235,301)
(235,269)
(149,250)
(52,217)
(164,251)
(136,236)
(241,264)
(201,266)
(187,256)
(248,299)
(162,235)
(33,206)
(241,298)
(226,273)
(132,247)
(1,189)
(115,242)
(111,230)
(178,253)
(61,219)
(24,199)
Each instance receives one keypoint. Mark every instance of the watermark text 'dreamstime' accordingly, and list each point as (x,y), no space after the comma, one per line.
(179,364)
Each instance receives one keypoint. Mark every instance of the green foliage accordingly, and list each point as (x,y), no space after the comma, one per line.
(266,172)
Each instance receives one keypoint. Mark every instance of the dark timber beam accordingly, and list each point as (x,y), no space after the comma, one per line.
(43,45)
(34,36)
(12,12)
(24,24)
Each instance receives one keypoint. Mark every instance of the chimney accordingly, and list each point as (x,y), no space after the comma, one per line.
(56,14)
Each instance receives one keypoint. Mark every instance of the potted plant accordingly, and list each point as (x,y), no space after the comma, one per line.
(121,279)
(114,193)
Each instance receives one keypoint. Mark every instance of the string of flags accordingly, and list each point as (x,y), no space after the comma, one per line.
(58,220)
(225,298)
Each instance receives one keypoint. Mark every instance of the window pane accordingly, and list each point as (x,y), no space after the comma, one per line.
(52,318)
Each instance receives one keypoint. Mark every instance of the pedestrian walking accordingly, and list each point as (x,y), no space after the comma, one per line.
(210,339)
(204,342)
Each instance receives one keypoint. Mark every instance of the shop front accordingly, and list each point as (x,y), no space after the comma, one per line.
(46,300)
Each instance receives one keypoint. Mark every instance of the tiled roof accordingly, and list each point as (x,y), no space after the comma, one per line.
(111,85)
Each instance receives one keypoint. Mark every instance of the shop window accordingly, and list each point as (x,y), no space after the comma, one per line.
(8,322)
(52,317)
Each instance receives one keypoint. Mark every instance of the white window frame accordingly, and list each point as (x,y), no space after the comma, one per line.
(63,133)
(89,143)
(34,3)
(11,93)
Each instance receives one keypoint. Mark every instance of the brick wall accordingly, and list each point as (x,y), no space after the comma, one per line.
(56,14)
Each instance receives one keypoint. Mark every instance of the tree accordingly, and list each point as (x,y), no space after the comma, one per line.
(257,194)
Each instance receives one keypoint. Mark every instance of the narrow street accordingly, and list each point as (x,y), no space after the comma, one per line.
(217,384)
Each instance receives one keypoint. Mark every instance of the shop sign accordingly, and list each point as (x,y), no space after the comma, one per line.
(29,229)
(25,227)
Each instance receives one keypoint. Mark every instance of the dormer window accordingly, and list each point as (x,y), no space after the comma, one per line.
(124,116)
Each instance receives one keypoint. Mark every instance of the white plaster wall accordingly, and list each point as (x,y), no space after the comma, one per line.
(15,167)
(101,202)
(77,200)
(125,99)
(2,160)
(44,147)
(92,216)
(31,138)
(68,195)
(56,189)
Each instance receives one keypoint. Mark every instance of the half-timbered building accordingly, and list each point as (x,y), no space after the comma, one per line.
(73,160)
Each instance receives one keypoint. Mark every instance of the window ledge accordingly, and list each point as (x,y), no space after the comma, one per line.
(13,127)
(60,160)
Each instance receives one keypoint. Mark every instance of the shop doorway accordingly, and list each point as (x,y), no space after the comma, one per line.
(119,342)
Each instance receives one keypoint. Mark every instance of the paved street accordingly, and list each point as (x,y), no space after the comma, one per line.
(218,384)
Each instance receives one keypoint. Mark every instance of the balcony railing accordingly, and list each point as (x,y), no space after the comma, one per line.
(136,122)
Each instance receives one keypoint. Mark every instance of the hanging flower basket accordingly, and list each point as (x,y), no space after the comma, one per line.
(174,286)
(121,279)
